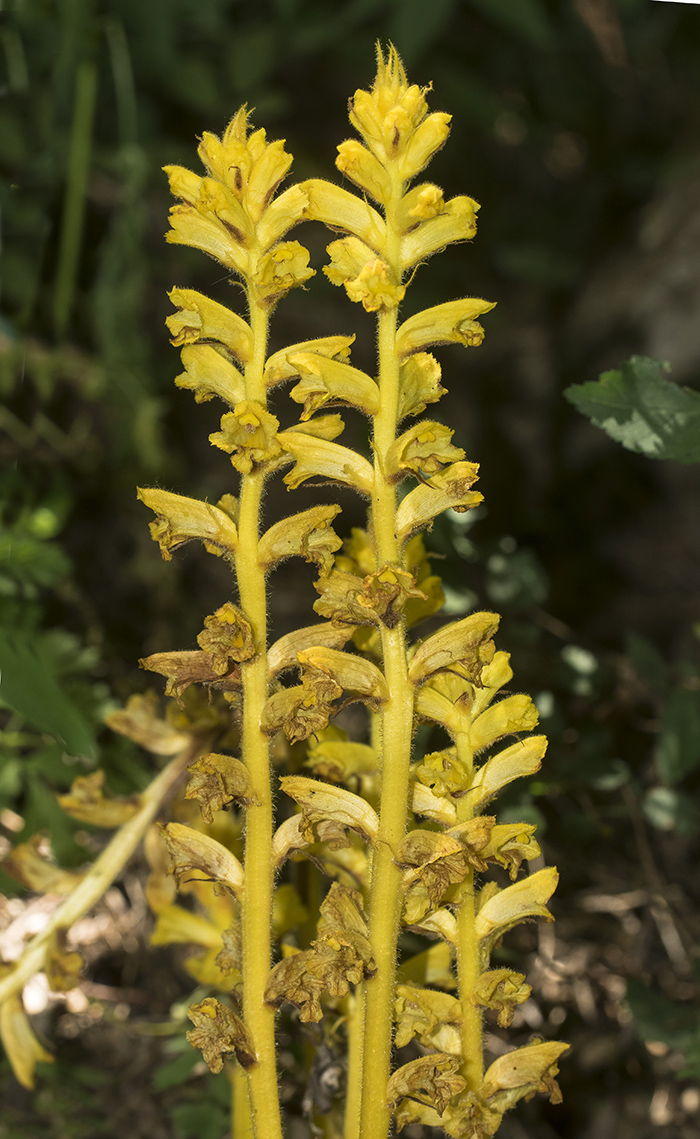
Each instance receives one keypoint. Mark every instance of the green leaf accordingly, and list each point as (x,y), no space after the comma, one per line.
(670,810)
(657,1017)
(199,1121)
(648,663)
(678,746)
(28,686)
(642,410)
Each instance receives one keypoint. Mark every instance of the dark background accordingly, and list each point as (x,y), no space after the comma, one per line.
(575,125)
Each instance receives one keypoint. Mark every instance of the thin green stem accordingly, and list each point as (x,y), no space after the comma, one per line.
(469,964)
(256,915)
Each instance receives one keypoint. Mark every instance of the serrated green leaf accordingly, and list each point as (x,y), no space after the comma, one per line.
(28,686)
(639,408)
(678,747)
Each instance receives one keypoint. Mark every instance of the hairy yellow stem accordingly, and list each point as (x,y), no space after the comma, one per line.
(397,729)
(106,867)
(241,1123)
(469,965)
(256,911)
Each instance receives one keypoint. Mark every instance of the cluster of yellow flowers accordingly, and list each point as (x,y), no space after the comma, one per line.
(354,818)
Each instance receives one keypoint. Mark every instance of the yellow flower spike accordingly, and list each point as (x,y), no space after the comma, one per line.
(180,520)
(308,535)
(375,288)
(217,781)
(323,381)
(422,144)
(422,203)
(522,1073)
(283,654)
(524,899)
(342,210)
(208,373)
(450,323)
(467,642)
(217,1032)
(190,227)
(301,711)
(386,592)
(64,971)
(431,863)
(441,771)
(28,863)
(227,638)
(353,673)
(343,761)
(340,956)
(349,256)
(326,427)
(514,714)
(432,1080)
(265,176)
(424,450)
(322,802)
(186,668)
(177,926)
(288,839)
(281,215)
(436,807)
(419,384)
(511,844)
(215,201)
(450,489)
(502,990)
(191,850)
(358,164)
(88,803)
(456,222)
(285,267)
(439,923)
(520,759)
(200,318)
(278,367)
(429,1015)
(139,721)
(184,184)
(431,967)
(249,435)
(21,1045)
(317,457)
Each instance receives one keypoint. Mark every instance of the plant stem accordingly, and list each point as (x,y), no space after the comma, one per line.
(469,964)
(256,911)
(103,871)
(386,894)
(241,1124)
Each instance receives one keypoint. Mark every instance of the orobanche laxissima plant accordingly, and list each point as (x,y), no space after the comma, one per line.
(375,840)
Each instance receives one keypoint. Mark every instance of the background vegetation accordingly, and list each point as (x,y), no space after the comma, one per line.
(576,127)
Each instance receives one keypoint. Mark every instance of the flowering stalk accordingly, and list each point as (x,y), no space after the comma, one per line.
(357,815)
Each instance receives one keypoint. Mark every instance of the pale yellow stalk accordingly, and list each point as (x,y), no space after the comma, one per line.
(469,964)
(256,911)
(397,729)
